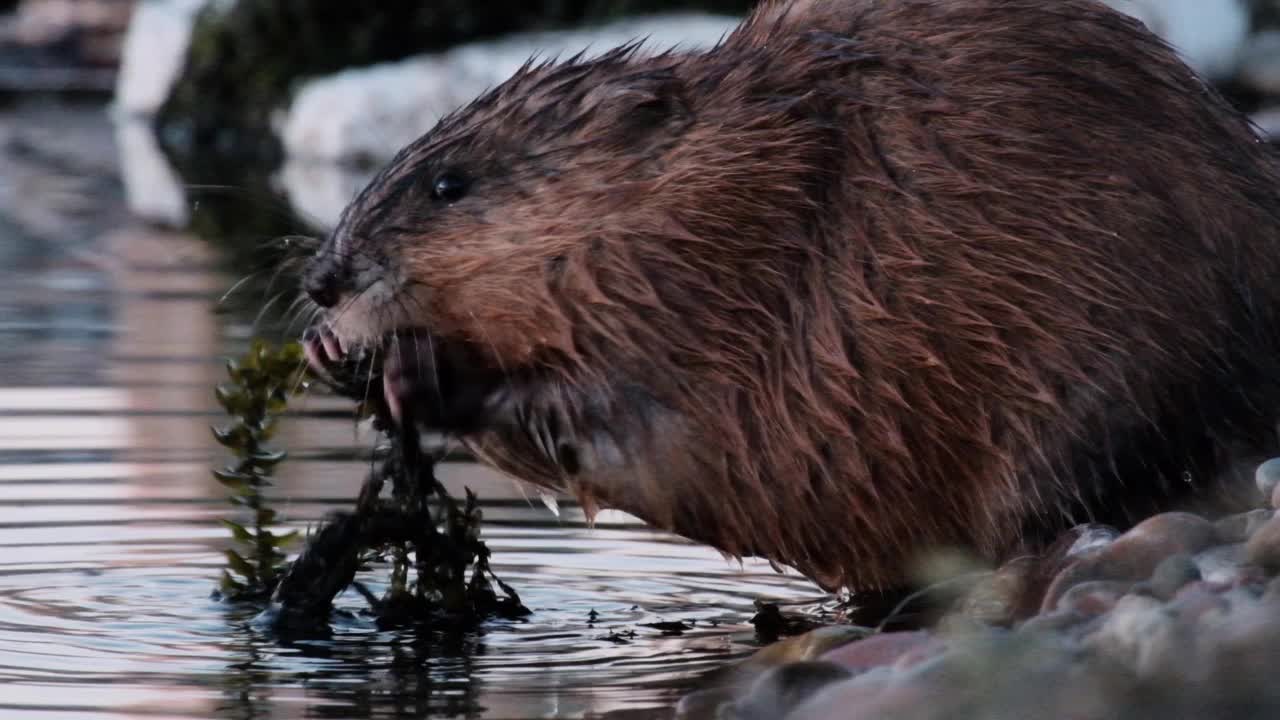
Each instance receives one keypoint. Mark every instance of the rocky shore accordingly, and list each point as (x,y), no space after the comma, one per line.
(1177,618)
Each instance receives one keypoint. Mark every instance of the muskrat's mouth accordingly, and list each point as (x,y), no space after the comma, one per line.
(441,385)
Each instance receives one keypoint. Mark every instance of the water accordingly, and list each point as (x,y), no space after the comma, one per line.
(109,536)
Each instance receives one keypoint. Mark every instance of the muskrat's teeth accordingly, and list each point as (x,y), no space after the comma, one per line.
(332,344)
(391,394)
(314,350)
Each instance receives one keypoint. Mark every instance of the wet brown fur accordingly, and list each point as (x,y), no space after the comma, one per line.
(864,279)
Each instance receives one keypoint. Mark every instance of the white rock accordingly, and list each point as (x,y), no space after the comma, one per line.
(369,113)
(318,191)
(153,190)
(1209,34)
(155,47)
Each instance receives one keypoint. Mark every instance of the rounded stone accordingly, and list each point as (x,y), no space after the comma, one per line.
(1135,555)
(1267,477)
(1093,597)
(860,700)
(1171,574)
(1134,629)
(1195,599)
(1090,538)
(1221,564)
(1072,574)
(880,650)
(994,599)
(1237,528)
(807,646)
(778,690)
(1263,548)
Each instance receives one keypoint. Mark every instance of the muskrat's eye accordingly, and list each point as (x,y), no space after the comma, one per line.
(449,187)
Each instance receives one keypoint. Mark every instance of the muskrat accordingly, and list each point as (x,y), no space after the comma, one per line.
(863,280)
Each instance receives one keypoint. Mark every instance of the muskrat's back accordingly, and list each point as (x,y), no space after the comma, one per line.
(864,279)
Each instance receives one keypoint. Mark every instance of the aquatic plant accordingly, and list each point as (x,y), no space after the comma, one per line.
(439,564)
(262,380)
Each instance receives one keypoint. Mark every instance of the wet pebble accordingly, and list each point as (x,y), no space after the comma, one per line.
(1239,527)
(1094,597)
(1090,538)
(881,650)
(782,688)
(1171,574)
(1139,634)
(1135,555)
(996,598)
(1263,548)
(1222,564)
(808,646)
(1267,477)
(1195,599)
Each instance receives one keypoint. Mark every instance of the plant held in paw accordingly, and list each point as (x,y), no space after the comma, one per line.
(261,382)
(431,539)
(439,565)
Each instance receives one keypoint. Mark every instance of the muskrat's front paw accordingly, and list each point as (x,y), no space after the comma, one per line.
(401,377)
(322,349)
(443,385)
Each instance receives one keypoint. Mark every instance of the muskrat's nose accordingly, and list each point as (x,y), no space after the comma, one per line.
(322,283)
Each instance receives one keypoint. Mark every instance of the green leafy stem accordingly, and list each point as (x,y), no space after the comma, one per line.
(262,381)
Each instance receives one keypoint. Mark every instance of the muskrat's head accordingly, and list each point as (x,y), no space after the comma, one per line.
(579,275)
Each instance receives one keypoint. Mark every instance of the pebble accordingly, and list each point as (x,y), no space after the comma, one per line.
(1237,528)
(1267,477)
(1157,537)
(1171,574)
(808,646)
(1221,564)
(783,687)
(1263,548)
(996,599)
(882,649)
(1094,597)
(1090,538)
(1195,599)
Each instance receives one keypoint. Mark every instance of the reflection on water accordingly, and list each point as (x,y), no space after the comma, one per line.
(108,515)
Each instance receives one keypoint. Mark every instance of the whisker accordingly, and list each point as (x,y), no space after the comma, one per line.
(231,291)
(296,310)
(265,307)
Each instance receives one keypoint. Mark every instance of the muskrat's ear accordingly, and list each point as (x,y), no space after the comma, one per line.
(641,103)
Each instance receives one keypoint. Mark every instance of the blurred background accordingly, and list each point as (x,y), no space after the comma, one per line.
(153,155)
